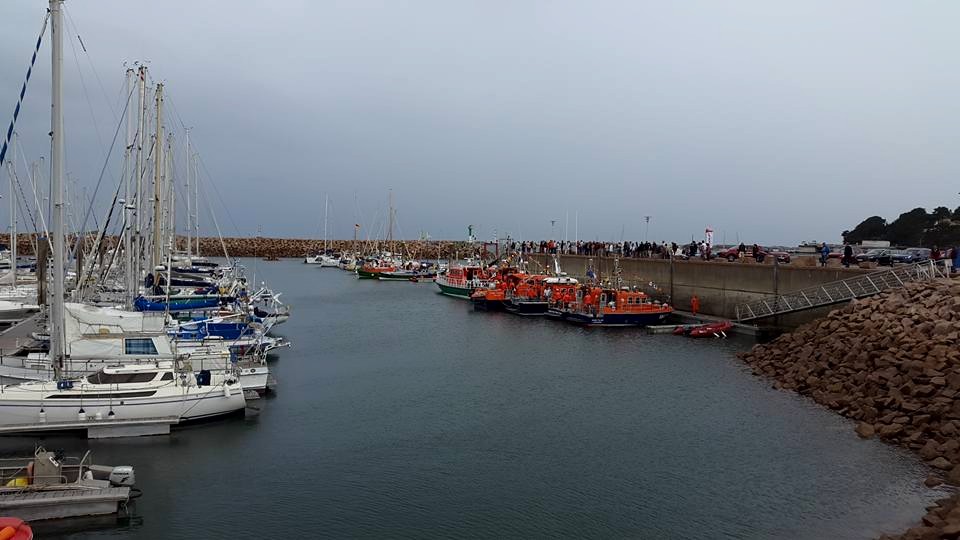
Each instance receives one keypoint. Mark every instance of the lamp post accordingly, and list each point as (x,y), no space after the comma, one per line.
(646,230)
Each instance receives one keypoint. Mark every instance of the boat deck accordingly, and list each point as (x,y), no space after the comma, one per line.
(20,335)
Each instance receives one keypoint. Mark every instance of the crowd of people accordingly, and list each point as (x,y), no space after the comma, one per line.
(606,249)
(645,250)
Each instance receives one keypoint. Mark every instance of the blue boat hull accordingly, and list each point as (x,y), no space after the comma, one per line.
(176,304)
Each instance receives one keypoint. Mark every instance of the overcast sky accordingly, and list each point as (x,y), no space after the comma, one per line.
(772,122)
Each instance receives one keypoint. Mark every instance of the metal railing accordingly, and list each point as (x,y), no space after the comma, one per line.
(839,291)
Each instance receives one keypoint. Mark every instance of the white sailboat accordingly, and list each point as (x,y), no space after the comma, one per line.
(139,391)
(98,337)
(165,388)
(324,259)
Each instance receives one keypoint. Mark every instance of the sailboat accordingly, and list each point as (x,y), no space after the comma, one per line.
(325,259)
(164,388)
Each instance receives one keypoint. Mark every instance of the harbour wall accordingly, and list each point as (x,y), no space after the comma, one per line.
(720,285)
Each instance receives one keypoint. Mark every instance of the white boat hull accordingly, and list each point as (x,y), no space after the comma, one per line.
(15,370)
(196,405)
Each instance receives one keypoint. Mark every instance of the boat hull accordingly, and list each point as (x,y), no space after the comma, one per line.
(455,291)
(194,406)
(610,319)
(526,308)
(485,304)
(367,274)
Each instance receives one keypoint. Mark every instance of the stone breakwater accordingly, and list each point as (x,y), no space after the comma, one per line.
(297,247)
(287,247)
(892,364)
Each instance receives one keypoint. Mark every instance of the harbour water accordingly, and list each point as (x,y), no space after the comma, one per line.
(402,413)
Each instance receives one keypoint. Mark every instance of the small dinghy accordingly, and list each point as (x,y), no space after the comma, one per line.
(717,329)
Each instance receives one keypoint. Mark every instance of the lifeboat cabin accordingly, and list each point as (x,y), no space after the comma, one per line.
(534,295)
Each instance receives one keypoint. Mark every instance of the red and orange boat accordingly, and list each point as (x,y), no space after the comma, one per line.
(715,329)
(493,297)
(373,270)
(599,306)
(534,294)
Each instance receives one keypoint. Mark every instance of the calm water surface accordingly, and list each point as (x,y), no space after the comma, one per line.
(402,413)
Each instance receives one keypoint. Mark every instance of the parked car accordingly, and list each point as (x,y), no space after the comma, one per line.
(881,256)
(731,254)
(919,254)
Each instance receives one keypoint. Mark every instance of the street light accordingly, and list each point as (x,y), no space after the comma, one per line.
(647,228)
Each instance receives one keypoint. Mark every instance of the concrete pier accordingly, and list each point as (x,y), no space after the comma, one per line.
(720,285)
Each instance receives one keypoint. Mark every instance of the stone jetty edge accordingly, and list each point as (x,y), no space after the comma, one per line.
(891,363)
(287,247)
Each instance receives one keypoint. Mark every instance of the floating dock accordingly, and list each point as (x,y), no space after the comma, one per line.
(685,318)
(64,503)
(100,429)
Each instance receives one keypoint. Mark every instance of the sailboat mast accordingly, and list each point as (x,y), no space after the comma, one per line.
(170,234)
(137,251)
(326,206)
(390,230)
(188,197)
(13,220)
(56,185)
(196,205)
(157,181)
(128,279)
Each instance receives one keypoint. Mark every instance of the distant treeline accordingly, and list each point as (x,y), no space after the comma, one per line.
(916,228)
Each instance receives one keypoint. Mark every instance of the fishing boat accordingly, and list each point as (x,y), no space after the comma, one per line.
(411,271)
(51,485)
(460,281)
(600,306)
(372,270)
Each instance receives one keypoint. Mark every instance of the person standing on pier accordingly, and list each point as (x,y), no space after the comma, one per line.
(847,255)
(824,254)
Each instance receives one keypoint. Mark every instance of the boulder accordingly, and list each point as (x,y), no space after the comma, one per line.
(941,463)
(865,430)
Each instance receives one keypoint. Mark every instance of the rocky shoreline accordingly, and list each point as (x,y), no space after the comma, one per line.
(891,363)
